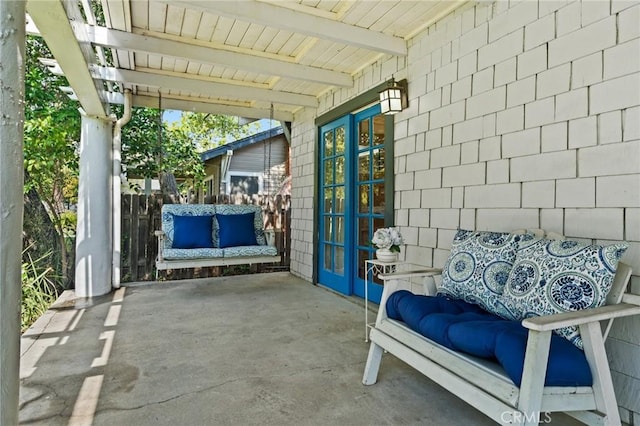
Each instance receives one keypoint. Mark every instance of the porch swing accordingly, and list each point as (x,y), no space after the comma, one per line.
(207,235)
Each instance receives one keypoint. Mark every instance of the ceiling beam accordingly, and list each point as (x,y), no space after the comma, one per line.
(203,107)
(31,28)
(50,17)
(284,18)
(208,88)
(115,39)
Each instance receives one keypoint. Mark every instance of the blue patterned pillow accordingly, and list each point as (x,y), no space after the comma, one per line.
(478,267)
(554,276)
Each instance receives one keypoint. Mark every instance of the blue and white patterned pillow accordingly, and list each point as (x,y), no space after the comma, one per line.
(554,276)
(478,266)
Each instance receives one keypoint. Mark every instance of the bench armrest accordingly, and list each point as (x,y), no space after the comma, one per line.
(270,237)
(427,275)
(161,236)
(427,272)
(567,319)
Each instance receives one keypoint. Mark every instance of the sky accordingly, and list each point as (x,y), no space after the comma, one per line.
(170,116)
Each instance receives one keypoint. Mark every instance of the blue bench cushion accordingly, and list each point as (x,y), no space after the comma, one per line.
(554,276)
(478,266)
(250,251)
(429,316)
(200,253)
(465,327)
(567,365)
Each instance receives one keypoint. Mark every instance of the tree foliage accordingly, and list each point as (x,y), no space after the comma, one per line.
(173,153)
(51,134)
(208,131)
(140,143)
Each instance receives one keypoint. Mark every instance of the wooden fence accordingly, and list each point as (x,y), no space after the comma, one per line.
(141,218)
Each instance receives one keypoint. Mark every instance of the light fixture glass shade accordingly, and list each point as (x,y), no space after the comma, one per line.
(391,100)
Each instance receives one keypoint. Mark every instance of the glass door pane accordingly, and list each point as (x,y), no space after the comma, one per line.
(370,190)
(334,267)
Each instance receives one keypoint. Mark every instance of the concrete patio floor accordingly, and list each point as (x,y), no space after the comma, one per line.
(264,349)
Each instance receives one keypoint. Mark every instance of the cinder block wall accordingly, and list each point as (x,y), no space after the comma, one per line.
(521,115)
(303,157)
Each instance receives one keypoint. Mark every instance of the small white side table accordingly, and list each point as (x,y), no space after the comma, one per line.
(375,267)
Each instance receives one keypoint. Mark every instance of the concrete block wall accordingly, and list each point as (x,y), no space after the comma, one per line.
(530,115)
(521,115)
(302,195)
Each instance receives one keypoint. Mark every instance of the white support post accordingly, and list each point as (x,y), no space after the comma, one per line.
(115,188)
(93,231)
(12,50)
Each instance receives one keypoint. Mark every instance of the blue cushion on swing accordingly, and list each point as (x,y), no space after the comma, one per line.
(237,230)
(190,232)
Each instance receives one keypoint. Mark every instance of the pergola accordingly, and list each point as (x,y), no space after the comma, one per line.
(247,58)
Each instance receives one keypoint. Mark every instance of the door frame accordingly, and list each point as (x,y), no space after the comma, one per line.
(361,101)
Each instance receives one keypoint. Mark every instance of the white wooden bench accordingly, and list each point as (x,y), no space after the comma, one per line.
(170,257)
(484,384)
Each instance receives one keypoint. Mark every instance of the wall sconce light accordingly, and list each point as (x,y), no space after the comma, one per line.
(393,99)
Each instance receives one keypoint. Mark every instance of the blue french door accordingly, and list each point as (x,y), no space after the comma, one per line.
(352,199)
(335,269)
(370,191)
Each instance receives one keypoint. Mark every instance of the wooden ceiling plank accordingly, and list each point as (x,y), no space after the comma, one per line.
(123,59)
(439,11)
(139,14)
(206,70)
(116,14)
(50,17)
(375,12)
(175,20)
(386,23)
(278,41)
(310,8)
(211,89)
(142,60)
(207,24)
(155,62)
(157,16)
(238,30)
(356,12)
(191,25)
(180,66)
(265,38)
(251,36)
(222,29)
(155,46)
(168,63)
(298,22)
